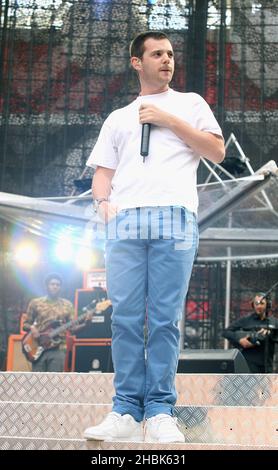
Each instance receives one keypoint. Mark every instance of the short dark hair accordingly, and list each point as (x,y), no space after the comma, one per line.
(137,49)
(259,294)
(52,276)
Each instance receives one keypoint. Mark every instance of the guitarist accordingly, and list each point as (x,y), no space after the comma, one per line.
(255,335)
(42,312)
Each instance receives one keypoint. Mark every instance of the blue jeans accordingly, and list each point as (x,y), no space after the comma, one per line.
(148,265)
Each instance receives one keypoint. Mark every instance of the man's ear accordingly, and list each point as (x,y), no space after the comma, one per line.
(135,63)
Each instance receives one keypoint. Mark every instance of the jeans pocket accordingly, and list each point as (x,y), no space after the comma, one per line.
(184,229)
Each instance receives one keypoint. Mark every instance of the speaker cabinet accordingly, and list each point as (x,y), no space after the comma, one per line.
(100,326)
(15,357)
(217,361)
(91,356)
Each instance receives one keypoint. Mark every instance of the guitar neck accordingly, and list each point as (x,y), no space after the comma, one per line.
(69,324)
(100,307)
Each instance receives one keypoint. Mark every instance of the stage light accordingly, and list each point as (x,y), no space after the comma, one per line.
(83,184)
(85,258)
(26,254)
(63,250)
(234,166)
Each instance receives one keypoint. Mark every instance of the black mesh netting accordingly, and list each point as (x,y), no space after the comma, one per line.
(64,67)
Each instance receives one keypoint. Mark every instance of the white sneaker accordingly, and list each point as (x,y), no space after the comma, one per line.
(162,428)
(116,427)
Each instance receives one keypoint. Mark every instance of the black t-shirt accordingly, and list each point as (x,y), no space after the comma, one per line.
(256,355)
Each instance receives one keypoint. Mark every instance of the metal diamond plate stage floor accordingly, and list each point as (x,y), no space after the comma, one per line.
(51,410)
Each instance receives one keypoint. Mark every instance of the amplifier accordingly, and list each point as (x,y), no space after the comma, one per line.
(100,325)
(91,356)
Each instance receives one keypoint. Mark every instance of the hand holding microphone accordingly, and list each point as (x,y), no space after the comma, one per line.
(145,140)
(150,115)
(144,115)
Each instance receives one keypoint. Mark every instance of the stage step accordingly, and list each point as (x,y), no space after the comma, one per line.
(51,411)
(233,425)
(192,389)
(19,443)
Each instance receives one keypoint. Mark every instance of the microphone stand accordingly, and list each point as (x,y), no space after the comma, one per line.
(269,290)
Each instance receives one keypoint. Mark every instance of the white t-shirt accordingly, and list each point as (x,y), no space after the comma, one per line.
(168,175)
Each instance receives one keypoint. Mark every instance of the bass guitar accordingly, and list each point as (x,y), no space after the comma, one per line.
(48,338)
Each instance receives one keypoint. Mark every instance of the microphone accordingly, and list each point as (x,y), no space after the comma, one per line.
(145,140)
(90,306)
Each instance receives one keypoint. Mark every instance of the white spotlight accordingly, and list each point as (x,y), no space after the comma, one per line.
(85,258)
(26,254)
(64,250)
